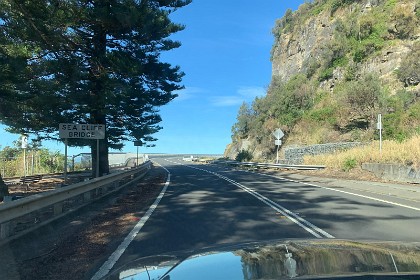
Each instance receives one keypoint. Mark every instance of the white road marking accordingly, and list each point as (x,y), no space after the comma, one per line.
(107,266)
(361,195)
(309,227)
(346,192)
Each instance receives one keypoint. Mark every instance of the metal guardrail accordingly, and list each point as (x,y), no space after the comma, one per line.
(54,199)
(274,165)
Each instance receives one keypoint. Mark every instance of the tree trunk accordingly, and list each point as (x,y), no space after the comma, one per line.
(99,79)
(103,157)
(4,190)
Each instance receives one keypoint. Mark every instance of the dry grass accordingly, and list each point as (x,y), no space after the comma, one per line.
(407,152)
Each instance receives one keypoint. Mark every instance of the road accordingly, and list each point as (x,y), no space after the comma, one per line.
(208,205)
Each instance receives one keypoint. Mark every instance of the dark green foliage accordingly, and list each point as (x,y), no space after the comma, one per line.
(87,62)
(243,122)
(323,115)
(365,97)
(393,128)
(288,101)
(244,155)
(284,105)
(326,74)
(403,114)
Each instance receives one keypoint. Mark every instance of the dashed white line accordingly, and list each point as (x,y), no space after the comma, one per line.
(107,266)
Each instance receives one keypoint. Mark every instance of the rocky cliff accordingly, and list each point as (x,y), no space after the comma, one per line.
(294,51)
(335,65)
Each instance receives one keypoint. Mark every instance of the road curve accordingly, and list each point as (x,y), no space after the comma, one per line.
(209,205)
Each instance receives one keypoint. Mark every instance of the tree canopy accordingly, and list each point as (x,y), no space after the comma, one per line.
(87,61)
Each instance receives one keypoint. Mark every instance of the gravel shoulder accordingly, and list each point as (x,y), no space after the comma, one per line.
(76,246)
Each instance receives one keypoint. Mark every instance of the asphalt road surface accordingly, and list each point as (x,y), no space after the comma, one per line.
(209,205)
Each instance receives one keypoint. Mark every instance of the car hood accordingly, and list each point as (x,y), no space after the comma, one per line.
(301,259)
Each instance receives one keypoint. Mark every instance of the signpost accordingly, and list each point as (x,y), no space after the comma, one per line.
(24,144)
(278,133)
(81,131)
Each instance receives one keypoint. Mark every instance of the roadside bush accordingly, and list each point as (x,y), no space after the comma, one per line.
(349,164)
(244,155)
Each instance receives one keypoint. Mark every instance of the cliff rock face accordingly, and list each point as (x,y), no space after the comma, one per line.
(294,50)
(333,47)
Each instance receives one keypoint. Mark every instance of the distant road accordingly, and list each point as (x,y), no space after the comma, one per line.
(207,205)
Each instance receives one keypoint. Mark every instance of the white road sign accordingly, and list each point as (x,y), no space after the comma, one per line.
(277,142)
(379,123)
(278,133)
(24,141)
(85,131)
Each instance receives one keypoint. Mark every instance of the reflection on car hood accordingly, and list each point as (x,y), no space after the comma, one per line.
(301,259)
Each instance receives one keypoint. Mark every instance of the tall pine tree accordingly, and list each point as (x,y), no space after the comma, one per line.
(89,61)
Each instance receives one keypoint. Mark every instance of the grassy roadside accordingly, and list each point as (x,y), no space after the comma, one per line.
(406,152)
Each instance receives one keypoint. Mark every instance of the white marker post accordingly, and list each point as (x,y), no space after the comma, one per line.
(97,158)
(66,142)
(24,146)
(379,127)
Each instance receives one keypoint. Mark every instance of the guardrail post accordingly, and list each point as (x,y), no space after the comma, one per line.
(58,208)
(5,229)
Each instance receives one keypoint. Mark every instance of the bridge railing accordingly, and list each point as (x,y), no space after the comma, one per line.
(19,216)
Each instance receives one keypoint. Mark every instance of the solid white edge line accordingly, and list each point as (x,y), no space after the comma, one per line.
(112,260)
(350,193)
(346,192)
(309,227)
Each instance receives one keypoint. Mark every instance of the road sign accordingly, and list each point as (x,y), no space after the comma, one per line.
(84,131)
(278,133)
(24,141)
(379,123)
(277,142)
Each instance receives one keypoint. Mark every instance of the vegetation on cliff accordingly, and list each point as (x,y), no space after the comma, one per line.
(363,62)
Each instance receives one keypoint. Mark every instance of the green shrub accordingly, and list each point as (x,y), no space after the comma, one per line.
(244,155)
(325,115)
(349,164)
(326,74)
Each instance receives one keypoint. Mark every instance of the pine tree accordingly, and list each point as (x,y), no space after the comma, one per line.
(89,61)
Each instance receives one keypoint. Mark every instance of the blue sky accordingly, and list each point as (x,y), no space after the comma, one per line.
(225,55)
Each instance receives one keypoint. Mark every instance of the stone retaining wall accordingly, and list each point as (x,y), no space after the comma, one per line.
(295,155)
